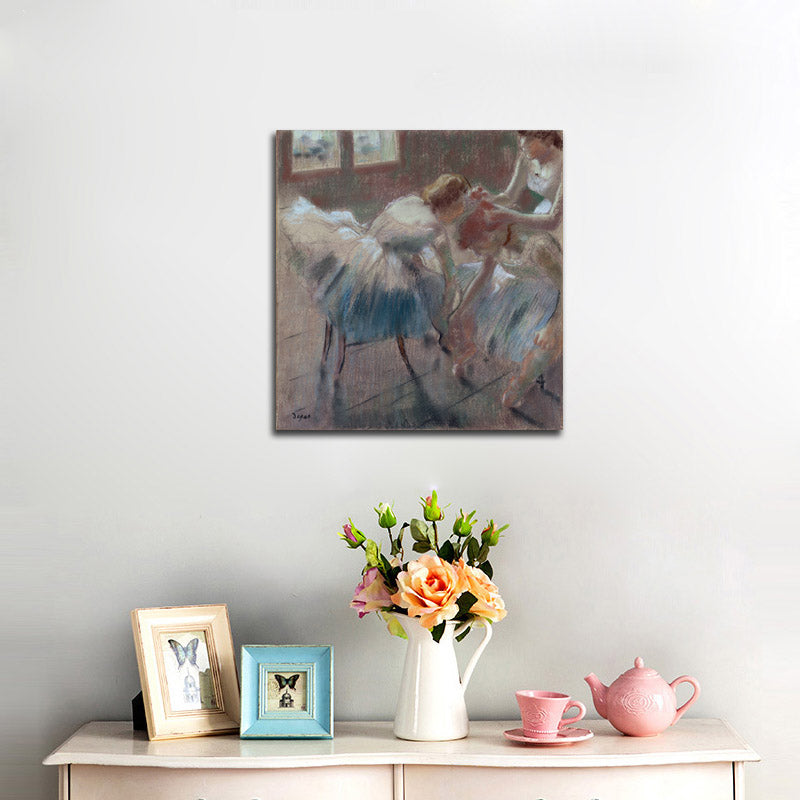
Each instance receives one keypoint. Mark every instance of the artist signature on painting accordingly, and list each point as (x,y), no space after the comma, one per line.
(300,415)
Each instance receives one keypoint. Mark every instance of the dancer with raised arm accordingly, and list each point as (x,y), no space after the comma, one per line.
(509,309)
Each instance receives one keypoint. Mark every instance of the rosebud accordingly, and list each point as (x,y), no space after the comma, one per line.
(352,535)
(430,507)
(386,517)
(491,533)
(463,524)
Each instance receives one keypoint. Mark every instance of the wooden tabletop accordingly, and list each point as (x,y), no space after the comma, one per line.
(691,741)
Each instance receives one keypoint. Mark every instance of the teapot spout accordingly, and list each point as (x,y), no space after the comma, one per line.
(599,690)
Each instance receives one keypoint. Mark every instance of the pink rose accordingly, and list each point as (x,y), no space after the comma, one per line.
(371,594)
(429,589)
(489,604)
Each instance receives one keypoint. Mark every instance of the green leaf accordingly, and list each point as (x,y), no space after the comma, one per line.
(422,547)
(447,552)
(373,553)
(466,601)
(487,568)
(394,626)
(420,530)
(463,635)
(483,554)
(472,548)
(437,631)
(386,567)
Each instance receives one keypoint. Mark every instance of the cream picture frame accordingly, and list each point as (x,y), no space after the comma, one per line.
(187,670)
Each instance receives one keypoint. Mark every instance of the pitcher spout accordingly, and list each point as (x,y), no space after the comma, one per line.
(599,690)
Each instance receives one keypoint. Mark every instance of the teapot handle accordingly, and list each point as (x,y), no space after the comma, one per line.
(685,679)
(487,634)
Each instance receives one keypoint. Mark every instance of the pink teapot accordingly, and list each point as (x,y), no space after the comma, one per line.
(640,702)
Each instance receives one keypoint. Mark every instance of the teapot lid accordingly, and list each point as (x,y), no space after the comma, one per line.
(640,670)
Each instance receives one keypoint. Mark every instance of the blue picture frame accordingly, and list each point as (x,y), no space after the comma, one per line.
(287,692)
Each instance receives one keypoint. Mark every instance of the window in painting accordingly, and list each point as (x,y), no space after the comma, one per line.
(374,147)
(315,150)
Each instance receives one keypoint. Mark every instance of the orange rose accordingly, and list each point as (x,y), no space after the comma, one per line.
(429,589)
(489,604)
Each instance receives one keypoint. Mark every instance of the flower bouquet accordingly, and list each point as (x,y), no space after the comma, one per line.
(451,579)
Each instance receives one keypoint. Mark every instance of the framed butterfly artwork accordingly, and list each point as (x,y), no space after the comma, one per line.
(187,670)
(287,692)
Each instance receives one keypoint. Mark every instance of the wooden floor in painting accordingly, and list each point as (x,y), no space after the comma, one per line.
(375,390)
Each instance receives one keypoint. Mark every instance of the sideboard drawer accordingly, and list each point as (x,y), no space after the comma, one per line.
(159,783)
(696,760)
(685,781)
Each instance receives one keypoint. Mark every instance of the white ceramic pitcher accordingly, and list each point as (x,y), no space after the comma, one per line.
(430,706)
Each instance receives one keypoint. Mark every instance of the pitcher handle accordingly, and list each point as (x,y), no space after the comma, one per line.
(487,634)
(685,679)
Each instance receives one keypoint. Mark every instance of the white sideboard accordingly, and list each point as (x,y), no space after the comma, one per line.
(698,759)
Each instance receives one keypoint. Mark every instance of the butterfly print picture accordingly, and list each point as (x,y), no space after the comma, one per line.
(182,654)
(286,691)
(187,670)
(283,681)
(288,684)
(189,682)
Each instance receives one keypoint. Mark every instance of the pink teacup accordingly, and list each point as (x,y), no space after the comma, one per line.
(543,712)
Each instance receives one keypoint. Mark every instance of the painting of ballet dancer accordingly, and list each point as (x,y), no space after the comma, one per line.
(419,280)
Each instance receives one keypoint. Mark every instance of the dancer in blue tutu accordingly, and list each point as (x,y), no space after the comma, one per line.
(511,305)
(369,284)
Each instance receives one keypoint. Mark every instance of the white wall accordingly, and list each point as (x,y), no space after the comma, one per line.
(140,465)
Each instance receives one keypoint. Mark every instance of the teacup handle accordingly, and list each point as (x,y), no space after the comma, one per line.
(581,713)
(685,679)
(487,634)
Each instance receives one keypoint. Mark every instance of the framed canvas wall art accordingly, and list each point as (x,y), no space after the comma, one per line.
(419,279)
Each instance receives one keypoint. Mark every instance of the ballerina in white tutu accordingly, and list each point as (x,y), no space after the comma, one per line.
(369,284)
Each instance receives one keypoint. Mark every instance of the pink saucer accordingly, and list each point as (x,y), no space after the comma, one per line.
(564,736)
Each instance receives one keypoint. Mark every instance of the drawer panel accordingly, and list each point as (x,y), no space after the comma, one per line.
(159,783)
(684,781)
